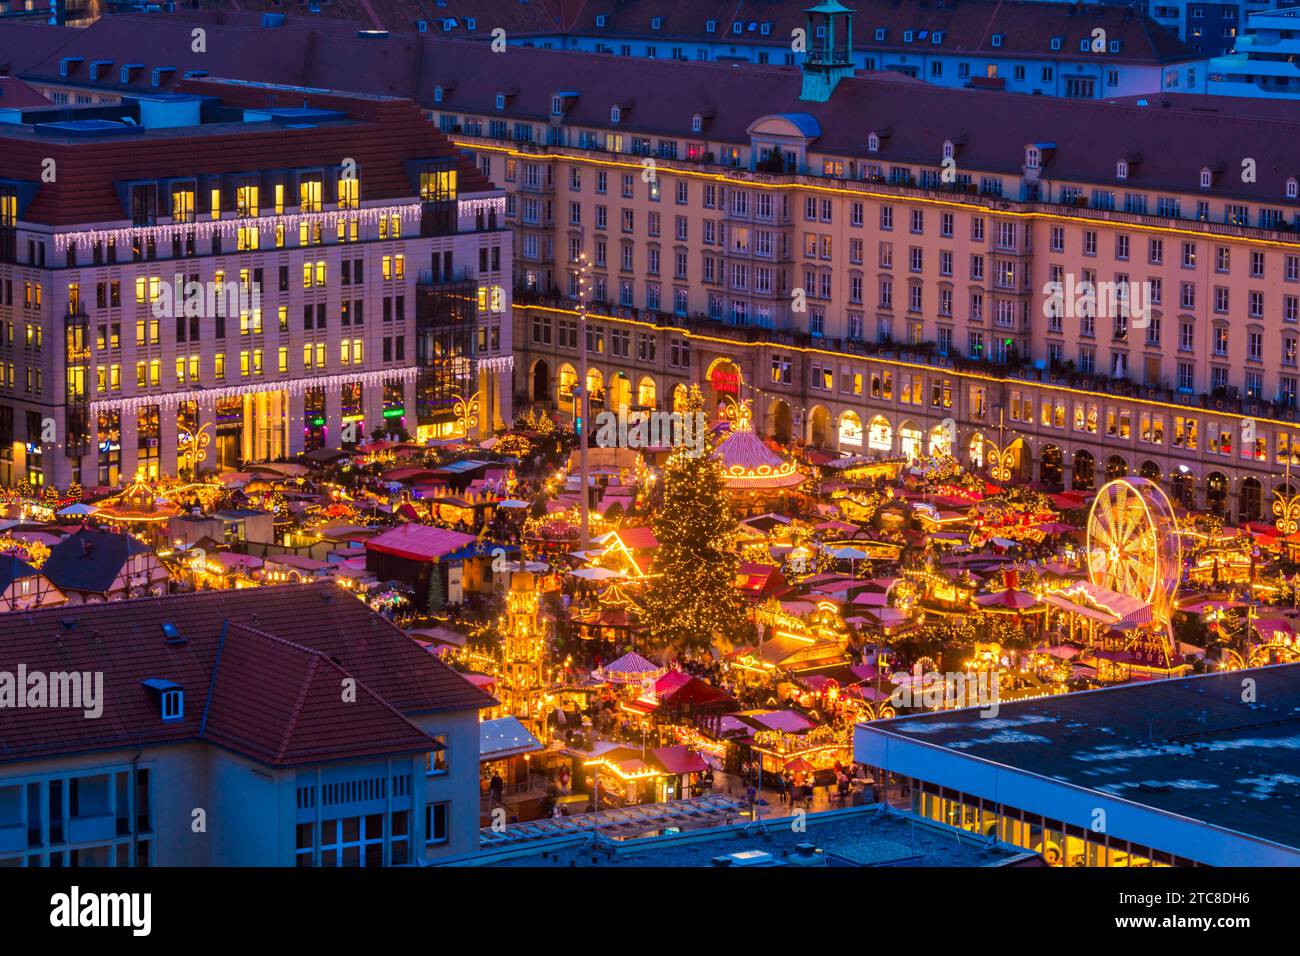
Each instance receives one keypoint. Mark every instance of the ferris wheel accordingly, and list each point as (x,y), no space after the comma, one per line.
(1133,545)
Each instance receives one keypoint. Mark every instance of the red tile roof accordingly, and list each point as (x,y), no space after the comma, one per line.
(1174,144)
(380,135)
(273,693)
(15,94)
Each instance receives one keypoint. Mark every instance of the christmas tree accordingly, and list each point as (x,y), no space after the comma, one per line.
(693,595)
(435,591)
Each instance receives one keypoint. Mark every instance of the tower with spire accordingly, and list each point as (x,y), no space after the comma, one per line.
(830,50)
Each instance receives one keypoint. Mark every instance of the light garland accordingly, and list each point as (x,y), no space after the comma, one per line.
(210,396)
(229,227)
(472,207)
(498,363)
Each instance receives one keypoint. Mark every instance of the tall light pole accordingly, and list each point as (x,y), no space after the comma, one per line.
(584,413)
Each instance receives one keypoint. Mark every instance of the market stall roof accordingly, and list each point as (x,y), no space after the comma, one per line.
(504,737)
(1101,604)
(596,574)
(1009,598)
(419,542)
(679,759)
(677,688)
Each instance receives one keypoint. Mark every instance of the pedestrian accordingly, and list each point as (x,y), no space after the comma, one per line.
(497,786)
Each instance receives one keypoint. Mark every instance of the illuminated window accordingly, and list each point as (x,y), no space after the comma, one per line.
(349,193)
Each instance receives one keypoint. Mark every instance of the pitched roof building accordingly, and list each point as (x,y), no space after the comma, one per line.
(180,699)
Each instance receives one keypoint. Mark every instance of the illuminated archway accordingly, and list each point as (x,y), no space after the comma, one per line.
(680,393)
(541,381)
(724,379)
(880,434)
(850,431)
(940,441)
(819,426)
(1149,470)
(565,382)
(1252,499)
(779,424)
(909,440)
(595,388)
(1051,466)
(1116,467)
(1216,493)
(976,450)
(620,391)
(647,393)
(1084,473)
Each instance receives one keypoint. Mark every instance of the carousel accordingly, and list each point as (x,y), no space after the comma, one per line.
(757,478)
(137,508)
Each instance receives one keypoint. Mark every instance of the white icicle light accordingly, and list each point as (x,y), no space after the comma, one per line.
(210,396)
(230,227)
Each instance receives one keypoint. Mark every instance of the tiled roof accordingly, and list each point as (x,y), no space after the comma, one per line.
(15,94)
(90,560)
(276,692)
(380,134)
(1174,144)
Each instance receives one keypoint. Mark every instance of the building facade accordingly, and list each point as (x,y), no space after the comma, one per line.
(209,261)
(1263,60)
(871,305)
(281,726)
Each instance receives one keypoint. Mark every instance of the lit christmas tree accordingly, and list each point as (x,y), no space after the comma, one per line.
(693,595)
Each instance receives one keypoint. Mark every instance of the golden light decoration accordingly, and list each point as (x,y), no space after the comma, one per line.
(466,411)
(1287,510)
(192,447)
(1000,461)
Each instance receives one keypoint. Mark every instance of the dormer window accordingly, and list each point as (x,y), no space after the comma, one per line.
(710,27)
(1056,43)
(766,29)
(697,124)
(873,143)
(656,23)
(557,105)
(997,39)
(1207,178)
(1085,46)
(1121,169)
(948,149)
(738,26)
(615,114)
(1033,157)
(880,34)
(1292,188)
(168,697)
(600,20)
(501,101)
(1114,46)
(437,94)
(907,36)
(471,23)
(936,37)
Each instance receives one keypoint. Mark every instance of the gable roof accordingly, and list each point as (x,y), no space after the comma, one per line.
(261,671)
(90,559)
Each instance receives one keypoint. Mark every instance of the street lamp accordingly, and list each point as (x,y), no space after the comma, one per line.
(582,396)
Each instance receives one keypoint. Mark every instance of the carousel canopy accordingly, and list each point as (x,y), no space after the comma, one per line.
(631,668)
(748,464)
(137,503)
